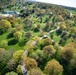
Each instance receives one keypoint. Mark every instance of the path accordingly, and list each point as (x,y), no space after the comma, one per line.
(23,66)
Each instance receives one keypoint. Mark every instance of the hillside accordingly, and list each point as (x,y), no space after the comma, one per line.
(40,41)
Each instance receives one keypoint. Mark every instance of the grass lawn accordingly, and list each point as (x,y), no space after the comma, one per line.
(56,38)
(4,37)
(16,47)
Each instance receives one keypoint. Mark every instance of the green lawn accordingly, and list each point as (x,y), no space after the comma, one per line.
(4,37)
(56,38)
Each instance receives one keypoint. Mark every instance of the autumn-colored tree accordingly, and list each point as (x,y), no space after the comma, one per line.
(59,18)
(42,11)
(35,71)
(11,65)
(11,20)
(53,68)
(47,41)
(73,61)
(29,62)
(62,26)
(19,27)
(49,50)
(67,53)
(4,25)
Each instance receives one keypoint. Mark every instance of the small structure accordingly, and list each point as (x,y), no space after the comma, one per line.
(9,14)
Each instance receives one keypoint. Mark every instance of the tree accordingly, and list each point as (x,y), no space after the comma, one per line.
(28,35)
(31,45)
(11,65)
(4,4)
(73,64)
(19,27)
(29,62)
(11,73)
(47,27)
(19,70)
(35,71)
(17,55)
(28,24)
(59,18)
(47,41)
(18,35)
(67,53)
(53,68)
(73,31)
(49,50)
(67,58)
(3,43)
(38,55)
(4,25)
(62,26)
(5,56)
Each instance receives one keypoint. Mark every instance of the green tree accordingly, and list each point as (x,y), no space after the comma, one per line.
(17,55)
(5,56)
(19,70)
(11,73)
(38,55)
(18,35)
(4,25)
(3,43)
